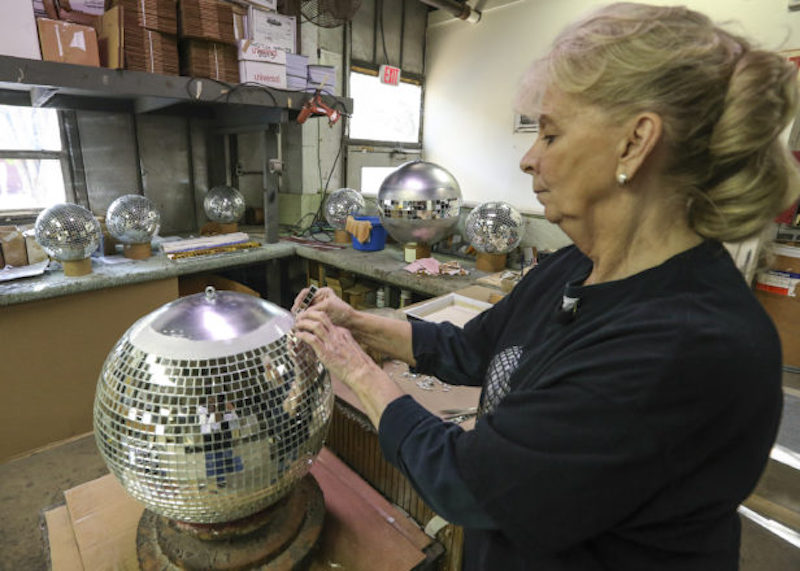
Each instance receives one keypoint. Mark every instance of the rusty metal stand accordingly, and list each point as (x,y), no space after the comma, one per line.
(281,537)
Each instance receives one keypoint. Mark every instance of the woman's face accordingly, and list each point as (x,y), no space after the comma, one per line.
(573,161)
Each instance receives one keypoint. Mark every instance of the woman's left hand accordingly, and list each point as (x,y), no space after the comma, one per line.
(333,345)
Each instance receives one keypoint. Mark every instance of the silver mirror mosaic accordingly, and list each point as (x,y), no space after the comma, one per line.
(133,219)
(208,427)
(67,232)
(419,202)
(224,204)
(494,227)
(341,204)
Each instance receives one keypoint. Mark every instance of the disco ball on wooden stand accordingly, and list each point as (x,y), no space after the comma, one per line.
(210,412)
(339,205)
(133,220)
(224,205)
(68,233)
(493,228)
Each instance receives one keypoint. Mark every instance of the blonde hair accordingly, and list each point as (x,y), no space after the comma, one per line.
(723,104)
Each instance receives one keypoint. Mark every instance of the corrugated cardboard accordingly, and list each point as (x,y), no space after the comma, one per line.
(200,58)
(80,11)
(785,313)
(111,39)
(206,20)
(156,15)
(18,30)
(68,43)
(362,530)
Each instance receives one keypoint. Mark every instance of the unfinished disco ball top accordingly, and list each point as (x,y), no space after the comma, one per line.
(67,232)
(419,202)
(494,227)
(208,409)
(133,219)
(224,204)
(341,204)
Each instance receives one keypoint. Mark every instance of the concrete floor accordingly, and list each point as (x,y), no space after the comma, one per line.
(34,483)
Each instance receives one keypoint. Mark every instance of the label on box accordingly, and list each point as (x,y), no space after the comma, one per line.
(781,283)
(274,30)
(267,4)
(269,74)
(255,51)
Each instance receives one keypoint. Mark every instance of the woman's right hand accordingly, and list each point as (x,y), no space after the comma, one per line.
(326,300)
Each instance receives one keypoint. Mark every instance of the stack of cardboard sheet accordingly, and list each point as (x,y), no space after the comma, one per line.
(208,40)
(156,15)
(143,33)
(207,20)
(201,58)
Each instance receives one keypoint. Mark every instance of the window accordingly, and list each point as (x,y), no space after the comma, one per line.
(384,112)
(32,159)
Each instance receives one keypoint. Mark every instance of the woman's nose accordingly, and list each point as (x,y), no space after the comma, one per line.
(529,162)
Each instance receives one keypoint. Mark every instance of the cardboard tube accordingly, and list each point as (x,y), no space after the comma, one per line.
(74,268)
(490,262)
(137,251)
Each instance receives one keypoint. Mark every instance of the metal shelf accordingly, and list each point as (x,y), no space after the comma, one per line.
(68,86)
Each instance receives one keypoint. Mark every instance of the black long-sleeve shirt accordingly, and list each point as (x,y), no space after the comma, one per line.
(620,435)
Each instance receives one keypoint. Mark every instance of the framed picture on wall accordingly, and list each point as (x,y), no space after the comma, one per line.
(524,124)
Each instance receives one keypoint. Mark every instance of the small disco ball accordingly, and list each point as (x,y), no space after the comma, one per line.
(419,202)
(133,219)
(341,204)
(224,204)
(209,409)
(494,227)
(67,232)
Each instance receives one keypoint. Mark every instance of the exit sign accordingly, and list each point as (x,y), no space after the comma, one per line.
(389,74)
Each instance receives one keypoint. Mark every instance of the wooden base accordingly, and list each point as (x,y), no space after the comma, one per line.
(228,227)
(137,251)
(74,268)
(490,262)
(281,537)
(341,237)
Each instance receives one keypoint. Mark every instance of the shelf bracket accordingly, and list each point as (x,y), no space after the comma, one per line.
(41,96)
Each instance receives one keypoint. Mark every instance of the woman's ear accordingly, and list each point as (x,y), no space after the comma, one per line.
(640,139)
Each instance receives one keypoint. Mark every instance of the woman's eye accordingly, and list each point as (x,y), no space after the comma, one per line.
(549,139)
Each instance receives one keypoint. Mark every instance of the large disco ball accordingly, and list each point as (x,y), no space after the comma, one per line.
(208,409)
(341,204)
(494,227)
(419,202)
(133,219)
(224,204)
(67,232)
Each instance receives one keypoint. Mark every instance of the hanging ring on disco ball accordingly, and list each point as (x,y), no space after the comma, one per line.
(209,409)
(69,233)
(341,204)
(224,204)
(419,202)
(494,227)
(133,219)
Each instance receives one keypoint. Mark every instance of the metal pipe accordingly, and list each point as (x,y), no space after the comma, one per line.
(460,10)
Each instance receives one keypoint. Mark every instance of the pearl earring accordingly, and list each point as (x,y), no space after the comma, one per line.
(622,179)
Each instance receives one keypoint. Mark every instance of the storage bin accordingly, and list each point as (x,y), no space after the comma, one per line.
(377,236)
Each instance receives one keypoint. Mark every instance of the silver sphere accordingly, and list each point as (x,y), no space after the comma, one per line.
(419,202)
(494,227)
(67,232)
(133,219)
(208,409)
(341,204)
(224,204)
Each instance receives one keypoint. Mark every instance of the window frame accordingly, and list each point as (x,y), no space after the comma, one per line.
(65,158)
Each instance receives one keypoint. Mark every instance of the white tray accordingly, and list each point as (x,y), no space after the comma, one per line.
(455,308)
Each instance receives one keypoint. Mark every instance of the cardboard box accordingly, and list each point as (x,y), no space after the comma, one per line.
(273,29)
(269,74)
(111,39)
(125,45)
(785,313)
(33,250)
(254,51)
(12,243)
(68,43)
(18,30)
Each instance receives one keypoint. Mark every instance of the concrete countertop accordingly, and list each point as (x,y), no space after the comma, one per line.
(385,266)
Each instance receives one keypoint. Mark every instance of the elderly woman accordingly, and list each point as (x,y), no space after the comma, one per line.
(631,382)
